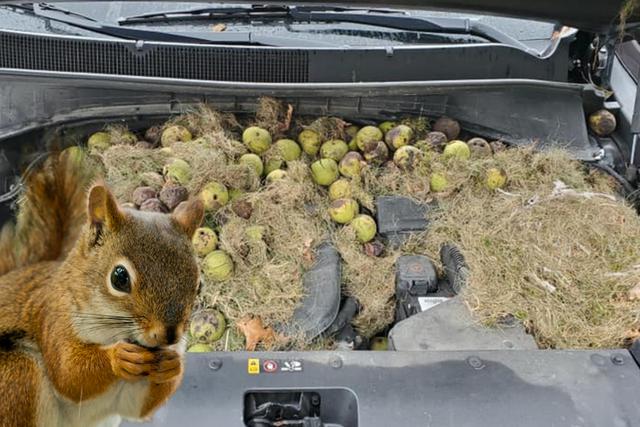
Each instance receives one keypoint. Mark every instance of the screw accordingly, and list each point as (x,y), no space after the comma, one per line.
(475,362)
(617,359)
(215,364)
(336,362)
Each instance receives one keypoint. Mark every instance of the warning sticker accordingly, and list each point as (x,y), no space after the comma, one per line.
(273,366)
(291,366)
(270,366)
(429,302)
(253,366)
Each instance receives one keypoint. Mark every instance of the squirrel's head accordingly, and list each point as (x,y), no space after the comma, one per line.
(139,272)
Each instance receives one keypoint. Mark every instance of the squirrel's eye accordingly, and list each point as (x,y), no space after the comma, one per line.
(120,280)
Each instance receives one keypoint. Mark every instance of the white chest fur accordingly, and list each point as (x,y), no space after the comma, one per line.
(122,400)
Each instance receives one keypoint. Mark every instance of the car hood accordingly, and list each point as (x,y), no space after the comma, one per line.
(594,15)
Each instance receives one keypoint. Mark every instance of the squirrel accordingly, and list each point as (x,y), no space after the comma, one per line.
(94,302)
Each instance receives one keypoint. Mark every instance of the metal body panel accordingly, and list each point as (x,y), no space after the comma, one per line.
(516,111)
(431,388)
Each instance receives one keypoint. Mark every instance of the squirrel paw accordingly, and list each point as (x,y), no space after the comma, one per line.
(167,367)
(131,362)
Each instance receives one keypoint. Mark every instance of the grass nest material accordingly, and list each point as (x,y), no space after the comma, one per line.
(555,248)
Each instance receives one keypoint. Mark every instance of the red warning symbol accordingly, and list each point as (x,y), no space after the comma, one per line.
(270,366)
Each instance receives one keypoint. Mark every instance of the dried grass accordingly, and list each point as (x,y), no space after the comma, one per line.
(516,241)
(517,244)
(328,127)
(204,120)
(273,115)
(267,280)
(370,280)
(124,165)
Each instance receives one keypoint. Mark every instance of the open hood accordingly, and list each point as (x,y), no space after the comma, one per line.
(594,15)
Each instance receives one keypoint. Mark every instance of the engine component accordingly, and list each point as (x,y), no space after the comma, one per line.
(455,267)
(415,278)
(397,217)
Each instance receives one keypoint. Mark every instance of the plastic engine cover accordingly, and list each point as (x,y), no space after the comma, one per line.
(321,303)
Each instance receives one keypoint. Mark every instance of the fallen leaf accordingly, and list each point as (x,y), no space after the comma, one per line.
(374,249)
(287,119)
(307,251)
(255,332)
(218,28)
(634,293)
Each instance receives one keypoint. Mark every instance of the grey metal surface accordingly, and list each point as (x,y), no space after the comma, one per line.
(429,388)
(449,326)
(516,111)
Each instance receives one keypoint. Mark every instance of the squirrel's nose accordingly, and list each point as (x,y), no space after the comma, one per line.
(171,334)
(162,334)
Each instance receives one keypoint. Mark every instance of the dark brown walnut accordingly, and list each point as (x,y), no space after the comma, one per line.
(142,194)
(153,135)
(498,146)
(154,205)
(376,152)
(172,195)
(602,123)
(374,249)
(437,140)
(144,144)
(242,208)
(448,126)
(479,147)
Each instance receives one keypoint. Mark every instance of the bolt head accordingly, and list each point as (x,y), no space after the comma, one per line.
(617,359)
(215,364)
(475,362)
(336,362)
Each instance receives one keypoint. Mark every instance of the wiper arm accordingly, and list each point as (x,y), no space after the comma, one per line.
(58,14)
(377,17)
(418,24)
(253,11)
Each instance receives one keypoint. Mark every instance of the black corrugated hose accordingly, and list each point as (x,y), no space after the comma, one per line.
(631,193)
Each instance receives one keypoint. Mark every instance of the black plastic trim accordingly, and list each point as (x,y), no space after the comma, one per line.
(259,64)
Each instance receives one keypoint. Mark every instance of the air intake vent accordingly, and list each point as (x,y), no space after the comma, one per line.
(71,54)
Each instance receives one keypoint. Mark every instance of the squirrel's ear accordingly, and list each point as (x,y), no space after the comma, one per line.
(188,215)
(103,209)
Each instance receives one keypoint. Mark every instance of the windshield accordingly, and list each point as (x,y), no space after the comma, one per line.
(315,30)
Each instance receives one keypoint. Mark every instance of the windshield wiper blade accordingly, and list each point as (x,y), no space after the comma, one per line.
(386,18)
(411,23)
(230,12)
(58,14)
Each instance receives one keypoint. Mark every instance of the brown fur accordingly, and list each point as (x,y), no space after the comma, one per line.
(20,397)
(50,214)
(74,330)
